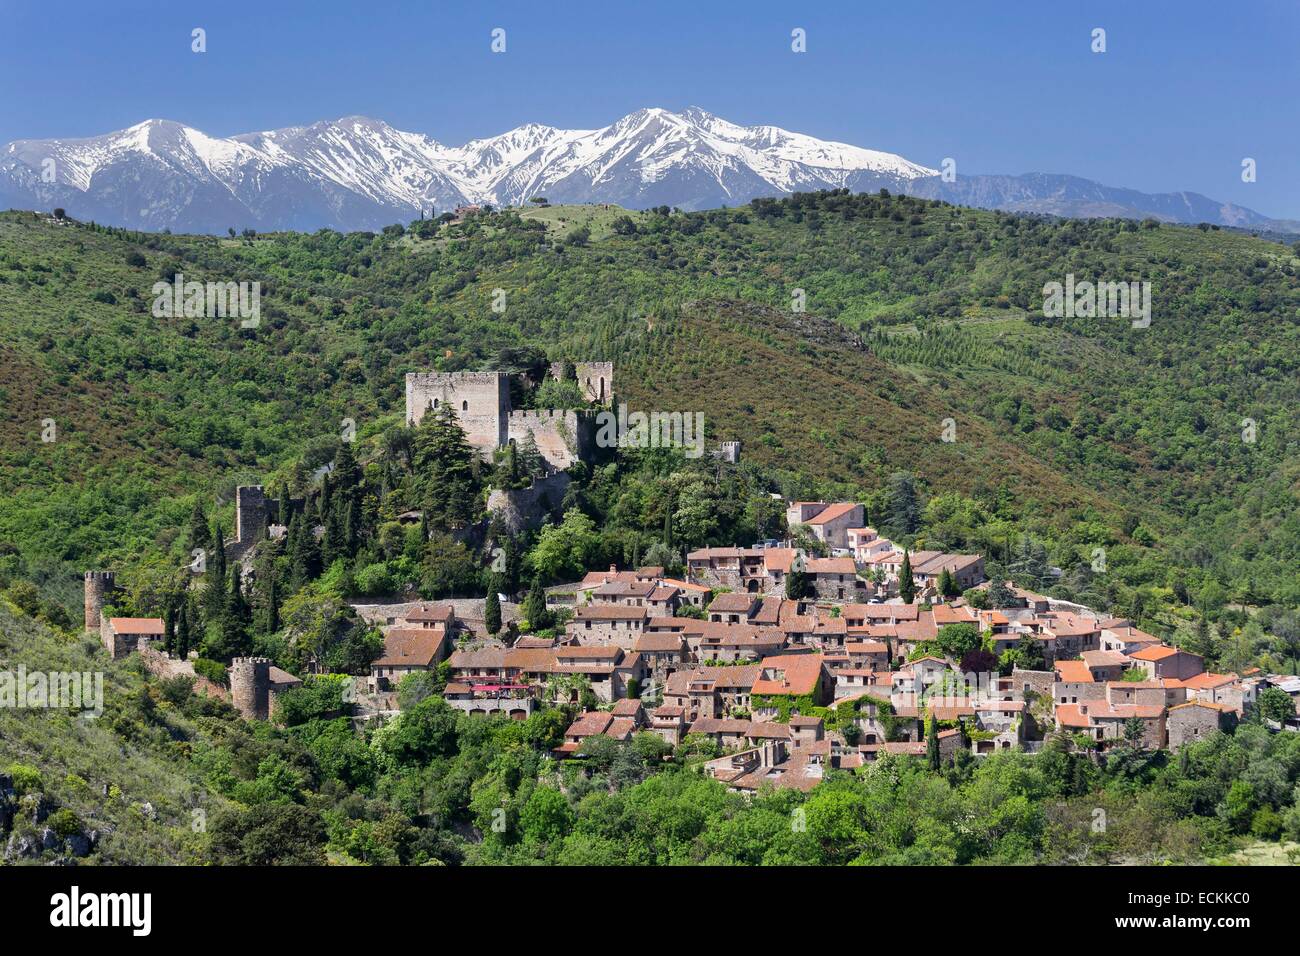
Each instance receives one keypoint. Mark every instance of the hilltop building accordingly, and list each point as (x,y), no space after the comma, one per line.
(481,401)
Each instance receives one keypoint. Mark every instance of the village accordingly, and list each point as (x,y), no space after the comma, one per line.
(784,663)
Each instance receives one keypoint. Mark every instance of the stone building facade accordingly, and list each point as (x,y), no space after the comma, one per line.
(481,401)
(1187,723)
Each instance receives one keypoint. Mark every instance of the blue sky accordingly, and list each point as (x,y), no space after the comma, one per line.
(1184,92)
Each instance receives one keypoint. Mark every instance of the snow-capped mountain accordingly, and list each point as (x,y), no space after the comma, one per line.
(361,173)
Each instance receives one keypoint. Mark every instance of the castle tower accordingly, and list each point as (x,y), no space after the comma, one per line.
(250,513)
(250,687)
(99,584)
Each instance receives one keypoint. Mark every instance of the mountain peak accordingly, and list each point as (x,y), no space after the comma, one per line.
(358,172)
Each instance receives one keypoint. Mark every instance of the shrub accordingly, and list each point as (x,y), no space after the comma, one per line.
(65,823)
(214,671)
(27,779)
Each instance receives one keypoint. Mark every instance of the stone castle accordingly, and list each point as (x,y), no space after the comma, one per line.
(481,401)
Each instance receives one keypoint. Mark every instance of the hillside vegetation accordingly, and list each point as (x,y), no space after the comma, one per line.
(1078,434)
(842,339)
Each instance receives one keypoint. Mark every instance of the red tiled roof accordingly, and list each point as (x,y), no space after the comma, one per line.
(137,625)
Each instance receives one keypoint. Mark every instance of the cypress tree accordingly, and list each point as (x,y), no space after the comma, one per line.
(492,608)
(200,529)
(535,610)
(906,586)
(169,628)
(932,742)
(272,606)
(183,638)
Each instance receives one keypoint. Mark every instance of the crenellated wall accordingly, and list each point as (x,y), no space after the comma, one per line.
(596,379)
(481,401)
(563,436)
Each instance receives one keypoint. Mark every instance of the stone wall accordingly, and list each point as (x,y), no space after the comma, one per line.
(562,436)
(99,586)
(250,686)
(596,379)
(525,509)
(481,401)
(1040,682)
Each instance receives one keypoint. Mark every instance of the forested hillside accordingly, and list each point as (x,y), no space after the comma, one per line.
(832,334)
(840,338)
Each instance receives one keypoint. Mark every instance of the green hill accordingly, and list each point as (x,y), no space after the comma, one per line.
(1081,432)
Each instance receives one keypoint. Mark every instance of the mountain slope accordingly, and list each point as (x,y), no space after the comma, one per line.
(357,173)
(1074,430)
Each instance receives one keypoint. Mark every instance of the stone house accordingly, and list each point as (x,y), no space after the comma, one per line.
(607,624)
(122,635)
(831,525)
(406,650)
(1161,660)
(1196,719)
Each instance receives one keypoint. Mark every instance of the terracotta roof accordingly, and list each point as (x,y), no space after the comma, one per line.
(832,566)
(1069,715)
(1207,680)
(589,722)
(685,585)
(791,674)
(832,513)
(779,559)
(866,647)
(732,601)
(627,707)
(431,612)
(137,625)
(739,677)
(661,641)
(1074,672)
(281,677)
(1104,659)
(494,657)
(1221,708)
(411,647)
(946,614)
(588,652)
(1155,652)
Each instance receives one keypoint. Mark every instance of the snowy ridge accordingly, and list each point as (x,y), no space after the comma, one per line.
(360,173)
(358,159)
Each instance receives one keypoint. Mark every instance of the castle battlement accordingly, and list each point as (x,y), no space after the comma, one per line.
(481,401)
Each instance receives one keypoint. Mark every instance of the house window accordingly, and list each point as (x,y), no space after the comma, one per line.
(464,406)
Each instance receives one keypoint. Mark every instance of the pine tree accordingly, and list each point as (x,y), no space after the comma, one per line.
(492,608)
(904,509)
(906,585)
(446,470)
